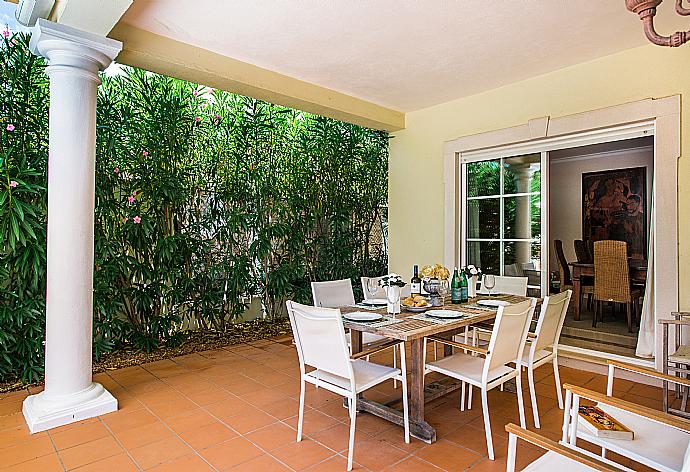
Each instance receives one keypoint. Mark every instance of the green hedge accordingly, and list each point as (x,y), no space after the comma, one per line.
(203,200)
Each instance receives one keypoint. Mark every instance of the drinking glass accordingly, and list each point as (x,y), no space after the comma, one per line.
(489,282)
(372,287)
(443,289)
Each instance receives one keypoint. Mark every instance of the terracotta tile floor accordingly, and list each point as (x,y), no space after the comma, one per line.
(235,409)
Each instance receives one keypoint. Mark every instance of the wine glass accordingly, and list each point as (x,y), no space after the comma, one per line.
(443,289)
(372,287)
(489,282)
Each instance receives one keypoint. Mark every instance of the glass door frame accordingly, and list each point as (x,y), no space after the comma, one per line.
(544,212)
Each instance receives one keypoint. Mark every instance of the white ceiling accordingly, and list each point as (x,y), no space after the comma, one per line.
(404,54)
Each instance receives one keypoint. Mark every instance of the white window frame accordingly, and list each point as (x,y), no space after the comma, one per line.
(657,117)
(501,203)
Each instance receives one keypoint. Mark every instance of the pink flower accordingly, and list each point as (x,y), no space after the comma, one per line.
(125,220)
(117,170)
(137,219)
(10,127)
(216,117)
(130,199)
(197,119)
(13,183)
(134,194)
(196,93)
(6,33)
(145,153)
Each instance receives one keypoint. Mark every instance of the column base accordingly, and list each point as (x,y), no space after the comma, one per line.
(43,412)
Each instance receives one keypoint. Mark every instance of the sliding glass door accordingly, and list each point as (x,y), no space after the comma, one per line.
(502,217)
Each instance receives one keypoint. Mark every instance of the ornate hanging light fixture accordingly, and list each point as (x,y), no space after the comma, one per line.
(646,9)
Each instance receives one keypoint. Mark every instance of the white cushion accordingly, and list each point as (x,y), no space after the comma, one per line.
(366,374)
(552,461)
(466,367)
(657,445)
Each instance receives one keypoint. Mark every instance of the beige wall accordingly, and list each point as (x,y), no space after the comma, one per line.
(416,181)
(565,198)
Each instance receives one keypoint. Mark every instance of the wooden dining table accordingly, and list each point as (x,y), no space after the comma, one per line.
(638,273)
(407,328)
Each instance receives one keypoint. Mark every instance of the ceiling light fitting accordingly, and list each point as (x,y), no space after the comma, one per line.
(646,9)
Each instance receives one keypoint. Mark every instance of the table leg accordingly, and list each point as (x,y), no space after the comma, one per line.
(355,341)
(423,429)
(576,294)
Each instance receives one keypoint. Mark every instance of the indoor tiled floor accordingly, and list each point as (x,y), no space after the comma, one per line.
(235,409)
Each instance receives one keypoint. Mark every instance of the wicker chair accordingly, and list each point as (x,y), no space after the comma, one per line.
(612,280)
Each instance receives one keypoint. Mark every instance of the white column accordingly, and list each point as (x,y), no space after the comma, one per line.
(75,57)
(523,212)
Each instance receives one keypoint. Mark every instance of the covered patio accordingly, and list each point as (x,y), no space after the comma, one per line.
(473,121)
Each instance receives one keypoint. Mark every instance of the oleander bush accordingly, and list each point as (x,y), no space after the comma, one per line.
(204,199)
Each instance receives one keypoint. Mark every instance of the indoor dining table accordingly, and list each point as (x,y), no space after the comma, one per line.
(413,328)
(638,273)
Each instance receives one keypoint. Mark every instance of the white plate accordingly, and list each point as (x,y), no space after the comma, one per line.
(375,301)
(444,314)
(493,303)
(362,316)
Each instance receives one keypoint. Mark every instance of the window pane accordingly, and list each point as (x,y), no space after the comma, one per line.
(523,259)
(483,218)
(484,255)
(522,174)
(522,217)
(483,178)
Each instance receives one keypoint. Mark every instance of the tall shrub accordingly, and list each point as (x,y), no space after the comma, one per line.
(204,199)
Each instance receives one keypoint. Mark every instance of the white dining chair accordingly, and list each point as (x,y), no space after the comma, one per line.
(333,293)
(322,347)
(506,285)
(506,346)
(661,441)
(338,293)
(542,345)
(559,456)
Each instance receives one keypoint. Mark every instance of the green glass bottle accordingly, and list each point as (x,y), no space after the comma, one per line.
(463,288)
(455,296)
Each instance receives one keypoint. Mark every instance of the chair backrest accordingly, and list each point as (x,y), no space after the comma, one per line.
(512,270)
(611,272)
(581,252)
(381,293)
(320,339)
(551,319)
(333,293)
(563,267)
(509,334)
(507,285)
(589,244)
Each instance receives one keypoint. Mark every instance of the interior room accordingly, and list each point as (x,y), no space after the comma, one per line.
(616,178)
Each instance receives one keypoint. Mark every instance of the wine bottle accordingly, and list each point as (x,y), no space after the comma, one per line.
(416,282)
(463,288)
(455,296)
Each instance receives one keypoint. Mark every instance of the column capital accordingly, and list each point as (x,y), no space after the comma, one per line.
(66,46)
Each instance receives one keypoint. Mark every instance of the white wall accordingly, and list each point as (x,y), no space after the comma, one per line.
(565,196)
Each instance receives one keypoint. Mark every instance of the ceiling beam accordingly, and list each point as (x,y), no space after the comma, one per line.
(170,57)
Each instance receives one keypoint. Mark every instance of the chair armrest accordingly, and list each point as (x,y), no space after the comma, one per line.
(678,321)
(680,314)
(458,345)
(375,349)
(565,451)
(649,372)
(639,410)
